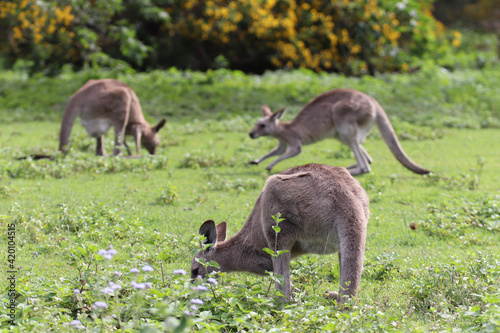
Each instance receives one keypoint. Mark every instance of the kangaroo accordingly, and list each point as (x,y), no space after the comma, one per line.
(347,115)
(105,103)
(325,210)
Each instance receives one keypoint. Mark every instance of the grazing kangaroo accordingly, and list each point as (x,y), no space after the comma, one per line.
(325,211)
(347,115)
(105,103)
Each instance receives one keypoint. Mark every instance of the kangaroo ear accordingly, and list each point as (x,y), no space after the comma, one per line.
(209,230)
(158,126)
(221,231)
(266,111)
(278,114)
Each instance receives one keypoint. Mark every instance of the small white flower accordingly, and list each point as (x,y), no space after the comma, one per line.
(189,314)
(179,271)
(147,268)
(400,5)
(134,270)
(102,252)
(107,256)
(413,23)
(193,307)
(117,273)
(76,291)
(212,281)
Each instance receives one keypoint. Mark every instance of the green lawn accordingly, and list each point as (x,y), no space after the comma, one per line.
(406,283)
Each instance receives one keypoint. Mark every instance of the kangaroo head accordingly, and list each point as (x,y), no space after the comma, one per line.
(149,138)
(213,235)
(266,126)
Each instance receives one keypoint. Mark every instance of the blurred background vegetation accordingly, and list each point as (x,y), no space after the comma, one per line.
(353,37)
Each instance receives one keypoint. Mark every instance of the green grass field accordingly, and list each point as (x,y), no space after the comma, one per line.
(442,276)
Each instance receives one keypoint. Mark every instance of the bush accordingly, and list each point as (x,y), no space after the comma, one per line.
(351,37)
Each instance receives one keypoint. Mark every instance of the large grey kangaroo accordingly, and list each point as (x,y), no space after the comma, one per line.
(101,104)
(325,211)
(344,114)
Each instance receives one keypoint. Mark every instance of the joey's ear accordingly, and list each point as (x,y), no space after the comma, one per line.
(209,230)
(266,111)
(221,231)
(278,114)
(158,126)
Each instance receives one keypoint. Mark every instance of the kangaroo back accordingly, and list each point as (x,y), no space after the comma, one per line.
(387,132)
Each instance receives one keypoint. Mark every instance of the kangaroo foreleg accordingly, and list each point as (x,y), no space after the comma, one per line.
(278,150)
(291,151)
(126,146)
(99,149)
(282,267)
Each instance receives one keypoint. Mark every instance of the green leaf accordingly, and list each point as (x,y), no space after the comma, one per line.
(214,264)
(182,326)
(276,229)
(163,256)
(268,250)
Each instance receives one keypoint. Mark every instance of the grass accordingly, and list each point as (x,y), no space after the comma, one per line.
(149,210)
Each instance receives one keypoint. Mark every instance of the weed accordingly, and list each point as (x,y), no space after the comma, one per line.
(459,219)
(455,285)
(383,266)
(168,194)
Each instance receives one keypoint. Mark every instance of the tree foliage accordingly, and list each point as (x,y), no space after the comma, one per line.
(353,37)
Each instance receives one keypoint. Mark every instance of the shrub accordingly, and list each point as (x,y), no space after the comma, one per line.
(352,37)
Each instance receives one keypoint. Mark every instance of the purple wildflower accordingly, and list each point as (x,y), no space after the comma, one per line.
(100,305)
(201,288)
(147,268)
(197,301)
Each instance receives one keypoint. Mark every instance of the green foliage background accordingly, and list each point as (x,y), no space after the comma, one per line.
(351,37)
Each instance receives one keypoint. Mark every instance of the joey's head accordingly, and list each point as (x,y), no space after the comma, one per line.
(266,126)
(209,252)
(150,139)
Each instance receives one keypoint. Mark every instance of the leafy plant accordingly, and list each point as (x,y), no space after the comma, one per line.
(168,194)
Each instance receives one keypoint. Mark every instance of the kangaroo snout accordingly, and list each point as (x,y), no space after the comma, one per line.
(252,135)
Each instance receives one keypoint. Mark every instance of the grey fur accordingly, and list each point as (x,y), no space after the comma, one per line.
(344,114)
(101,104)
(325,210)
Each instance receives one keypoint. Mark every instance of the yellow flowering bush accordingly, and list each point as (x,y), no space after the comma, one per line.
(33,25)
(348,36)
(353,37)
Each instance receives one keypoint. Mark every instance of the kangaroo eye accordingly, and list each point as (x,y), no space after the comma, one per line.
(262,125)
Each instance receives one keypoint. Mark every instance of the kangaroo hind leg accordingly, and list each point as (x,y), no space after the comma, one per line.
(349,135)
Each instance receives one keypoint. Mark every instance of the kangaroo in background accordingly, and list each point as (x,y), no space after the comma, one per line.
(344,114)
(325,211)
(105,103)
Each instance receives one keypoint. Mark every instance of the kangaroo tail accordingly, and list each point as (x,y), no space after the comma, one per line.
(387,131)
(70,114)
